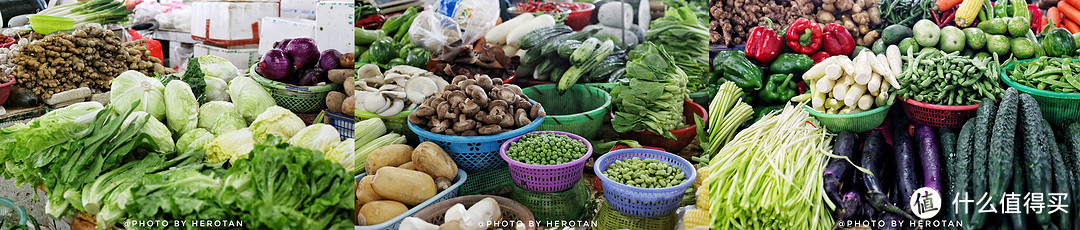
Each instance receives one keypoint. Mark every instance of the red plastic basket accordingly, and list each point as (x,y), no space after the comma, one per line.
(684,136)
(5,90)
(7,42)
(939,115)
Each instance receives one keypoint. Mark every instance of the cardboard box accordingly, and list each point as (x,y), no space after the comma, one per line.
(229,23)
(275,29)
(335,25)
(298,9)
(241,58)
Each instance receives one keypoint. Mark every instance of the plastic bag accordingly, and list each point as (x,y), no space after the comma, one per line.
(433,31)
(474,17)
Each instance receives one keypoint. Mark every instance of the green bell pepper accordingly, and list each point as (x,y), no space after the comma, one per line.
(793,63)
(779,89)
(735,67)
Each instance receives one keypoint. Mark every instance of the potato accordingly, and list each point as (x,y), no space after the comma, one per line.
(334,100)
(339,75)
(390,155)
(380,211)
(350,86)
(348,106)
(431,159)
(364,192)
(406,186)
(409,166)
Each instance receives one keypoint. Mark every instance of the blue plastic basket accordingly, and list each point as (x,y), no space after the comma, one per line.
(474,153)
(447,194)
(343,123)
(643,202)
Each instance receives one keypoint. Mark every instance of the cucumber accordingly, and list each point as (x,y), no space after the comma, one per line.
(1002,142)
(571,76)
(537,37)
(532,56)
(605,68)
(568,47)
(1062,179)
(960,172)
(600,53)
(581,36)
(1037,146)
(1072,139)
(583,53)
(557,74)
(948,153)
(980,146)
(545,67)
(551,49)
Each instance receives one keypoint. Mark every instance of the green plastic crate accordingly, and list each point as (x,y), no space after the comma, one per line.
(1058,108)
(555,206)
(579,110)
(608,218)
(494,182)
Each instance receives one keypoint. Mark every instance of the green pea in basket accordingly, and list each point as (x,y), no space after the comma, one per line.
(299,99)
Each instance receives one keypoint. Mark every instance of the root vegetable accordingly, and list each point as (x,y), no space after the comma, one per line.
(388,156)
(377,212)
(406,186)
(431,159)
(334,100)
(364,192)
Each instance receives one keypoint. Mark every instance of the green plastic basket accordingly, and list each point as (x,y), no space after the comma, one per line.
(1058,108)
(554,206)
(609,218)
(398,123)
(299,99)
(494,182)
(855,122)
(606,87)
(579,110)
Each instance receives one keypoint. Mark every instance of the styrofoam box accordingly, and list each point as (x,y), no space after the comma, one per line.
(241,58)
(335,25)
(298,9)
(229,23)
(275,29)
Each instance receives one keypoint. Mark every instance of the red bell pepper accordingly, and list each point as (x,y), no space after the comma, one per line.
(371,22)
(820,56)
(764,43)
(837,40)
(1037,20)
(803,36)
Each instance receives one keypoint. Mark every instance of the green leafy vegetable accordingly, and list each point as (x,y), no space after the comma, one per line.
(653,98)
(277,121)
(181,107)
(249,97)
(194,140)
(318,137)
(132,86)
(686,39)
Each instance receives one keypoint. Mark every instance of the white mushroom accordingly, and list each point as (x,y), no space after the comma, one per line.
(393,94)
(362,96)
(439,81)
(391,87)
(407,70)
(396,78)
(395,108)
(375,103)
(363,85)
(455,213)
(369,71)
(420,88)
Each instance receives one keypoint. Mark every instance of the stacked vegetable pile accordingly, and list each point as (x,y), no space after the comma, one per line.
(796,148)
(839,85)
(726,113)
(733,19)
(686,39)
(1045,73)
(943,78)
(566,57)
(399,177)
(859,17)
(102,12)
(373,137)
(652,100)
(476,106)
(88,57)
(402,88)
(298,61)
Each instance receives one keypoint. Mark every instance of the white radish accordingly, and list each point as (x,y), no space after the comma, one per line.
(497,35)
(509,50)
(884,86)
(850,110)
(538,22)
(884,59)
(833,71)
(818,99)
(853,94)
(839,91)
(413,223)
(824,85)
(879,66)
(863,68)
(874,85)
(882,99)
(865,101)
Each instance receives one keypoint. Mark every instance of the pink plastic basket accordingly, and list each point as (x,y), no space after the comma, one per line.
(939,115)
(546,178)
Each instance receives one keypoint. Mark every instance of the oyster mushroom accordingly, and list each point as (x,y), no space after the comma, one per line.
(420,88)
(369,71)
(395,108)
(375,103)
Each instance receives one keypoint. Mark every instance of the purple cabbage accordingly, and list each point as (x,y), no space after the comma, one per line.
(275,65)
(303,52)
(330,59)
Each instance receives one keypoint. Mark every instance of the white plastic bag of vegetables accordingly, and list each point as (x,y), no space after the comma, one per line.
(318,137)
(181,107)
(474,17)
(132,86)
(249,98)
(276,121)
(432,31)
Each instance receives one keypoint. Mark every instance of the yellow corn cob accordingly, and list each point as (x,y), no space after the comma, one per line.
(702,196)
(702,173)
(969,9)
(696,218)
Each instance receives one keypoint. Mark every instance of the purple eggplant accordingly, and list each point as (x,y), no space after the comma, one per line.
(838,167)
(930,156)
(872,150)
(904,151)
